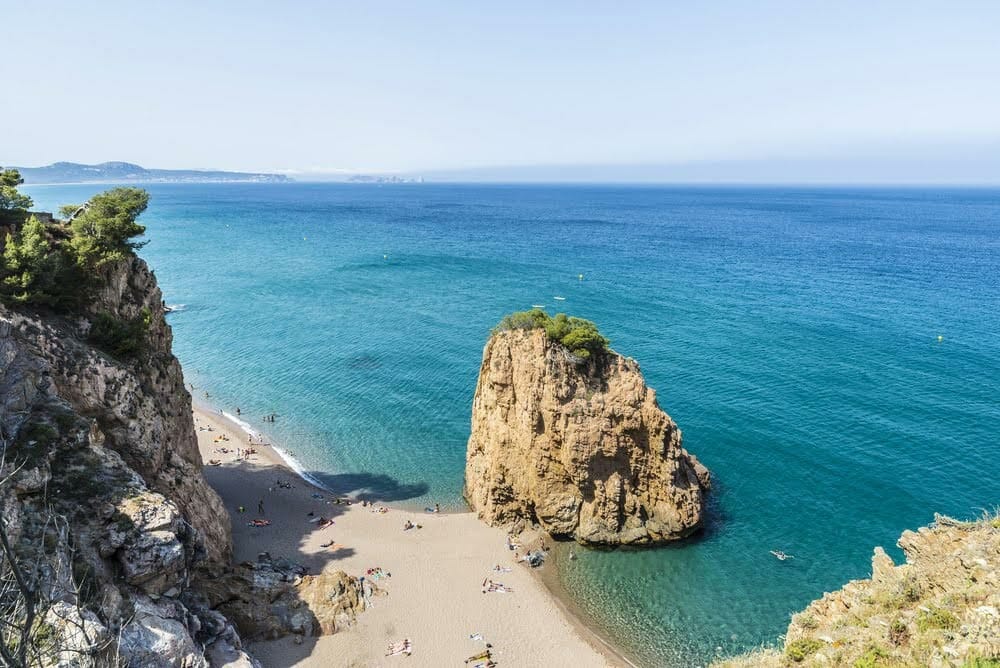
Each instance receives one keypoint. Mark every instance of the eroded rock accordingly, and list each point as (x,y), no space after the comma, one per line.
(580,447)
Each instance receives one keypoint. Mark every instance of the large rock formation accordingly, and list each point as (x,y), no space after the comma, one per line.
(104,500)
(940,608)
(578,446)
(104,505)
(275,597)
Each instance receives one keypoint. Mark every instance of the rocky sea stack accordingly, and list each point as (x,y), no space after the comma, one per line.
(572,439)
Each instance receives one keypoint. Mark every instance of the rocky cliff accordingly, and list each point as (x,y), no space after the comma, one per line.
(940,608)
(113,548)
(104,500)
(578,446)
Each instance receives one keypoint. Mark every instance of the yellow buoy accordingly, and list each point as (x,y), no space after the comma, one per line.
(580,277)
(385,257)
(940,338)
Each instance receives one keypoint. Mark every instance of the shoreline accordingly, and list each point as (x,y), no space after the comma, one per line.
(570,640)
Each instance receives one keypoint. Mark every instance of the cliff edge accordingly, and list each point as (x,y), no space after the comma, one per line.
(578,445)
(941,608)
(103,497)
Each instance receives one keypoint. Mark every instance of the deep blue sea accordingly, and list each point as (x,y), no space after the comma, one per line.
(792,333)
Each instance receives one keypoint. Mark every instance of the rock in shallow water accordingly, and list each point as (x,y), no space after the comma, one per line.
(580,447)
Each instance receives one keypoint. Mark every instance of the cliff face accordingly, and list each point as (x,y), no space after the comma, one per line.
(582,448)
(940,608)
(106,501)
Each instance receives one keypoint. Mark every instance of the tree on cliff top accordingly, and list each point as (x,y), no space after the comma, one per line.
(13,205)
(104,231)
(29,268)
(581,337)
(55,265)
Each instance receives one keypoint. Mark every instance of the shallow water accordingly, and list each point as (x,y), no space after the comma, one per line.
(791,333)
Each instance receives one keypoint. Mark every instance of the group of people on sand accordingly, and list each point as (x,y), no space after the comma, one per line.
(376,573)
(410,525)
(491,587)
(404,646)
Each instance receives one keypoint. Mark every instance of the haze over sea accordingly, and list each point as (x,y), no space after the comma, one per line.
(792,333)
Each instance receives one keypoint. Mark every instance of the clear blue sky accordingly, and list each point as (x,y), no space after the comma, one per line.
(425,86)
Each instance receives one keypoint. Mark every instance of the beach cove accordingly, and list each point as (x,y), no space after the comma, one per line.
(433,594)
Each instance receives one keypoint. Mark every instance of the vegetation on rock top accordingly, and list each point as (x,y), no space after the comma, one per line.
(55,264)
(581,337)
(58,264)
(940,608)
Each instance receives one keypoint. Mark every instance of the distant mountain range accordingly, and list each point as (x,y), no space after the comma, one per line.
(126,172)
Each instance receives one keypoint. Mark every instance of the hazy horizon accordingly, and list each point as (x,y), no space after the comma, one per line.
(778,92)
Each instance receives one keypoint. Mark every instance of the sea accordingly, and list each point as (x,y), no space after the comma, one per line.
(832,355)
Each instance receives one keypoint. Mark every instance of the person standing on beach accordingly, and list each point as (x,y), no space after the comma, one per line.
(260,506)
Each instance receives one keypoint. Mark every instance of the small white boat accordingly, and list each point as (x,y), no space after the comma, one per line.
(781,555)
(538,306)
(561,299)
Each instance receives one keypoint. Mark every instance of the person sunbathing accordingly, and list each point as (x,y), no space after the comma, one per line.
(484,655)
(324,523)
(409,525)
(259,523)
(402,647)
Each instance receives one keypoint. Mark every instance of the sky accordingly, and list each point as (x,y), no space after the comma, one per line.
(683,90)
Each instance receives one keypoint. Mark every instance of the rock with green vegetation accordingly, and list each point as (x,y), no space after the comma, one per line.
(101,489)
(941,608)
(574,443)
(60,265)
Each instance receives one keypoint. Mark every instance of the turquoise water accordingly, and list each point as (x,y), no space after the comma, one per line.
(791,333)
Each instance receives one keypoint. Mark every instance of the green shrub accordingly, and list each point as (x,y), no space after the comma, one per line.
(873,657)
(35,270)
(533,319)
(581,337)
(807,621)
(13,205)
(981,662)
(121,338)
(937,618)
(798,650)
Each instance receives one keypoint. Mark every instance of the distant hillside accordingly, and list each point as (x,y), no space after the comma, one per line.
(126,172)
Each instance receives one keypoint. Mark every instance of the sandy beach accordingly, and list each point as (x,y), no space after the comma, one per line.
(434,596)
